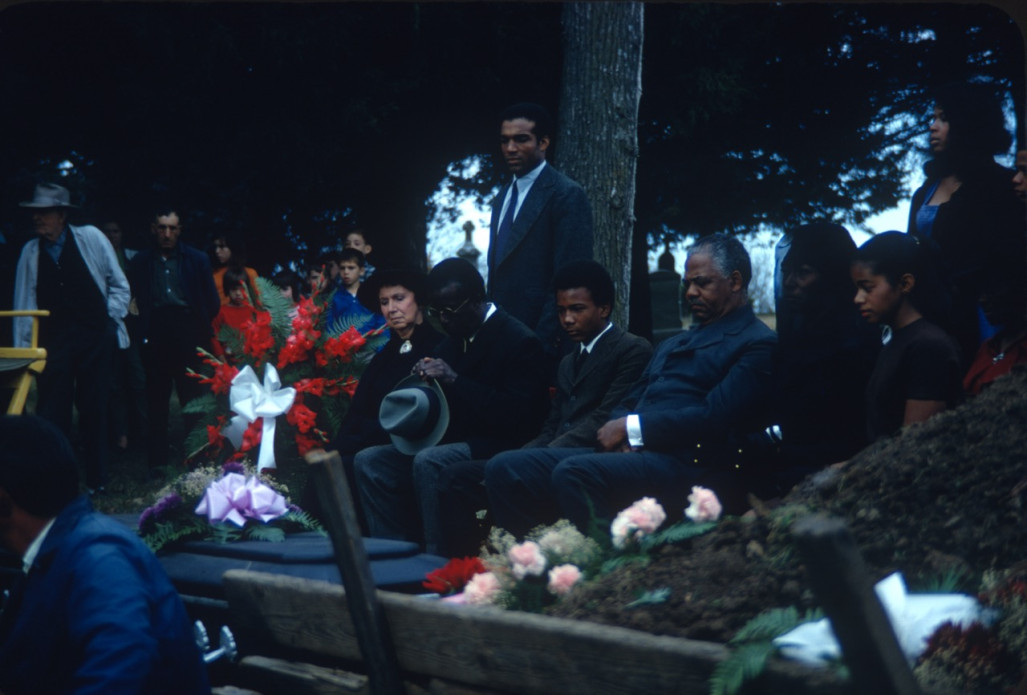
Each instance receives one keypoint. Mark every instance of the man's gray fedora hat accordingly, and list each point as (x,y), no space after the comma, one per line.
(415,414)
(49,195)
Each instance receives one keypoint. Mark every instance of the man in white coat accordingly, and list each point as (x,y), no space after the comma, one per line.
(74,273)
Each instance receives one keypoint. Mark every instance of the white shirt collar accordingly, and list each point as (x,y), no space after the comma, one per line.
(488,314)
(29,557)
(592,343)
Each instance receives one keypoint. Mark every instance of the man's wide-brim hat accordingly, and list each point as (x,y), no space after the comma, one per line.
(49,195)
(415,414)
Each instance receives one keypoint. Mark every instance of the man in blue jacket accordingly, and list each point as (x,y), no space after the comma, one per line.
(94,611)
(173,286)
(673,428)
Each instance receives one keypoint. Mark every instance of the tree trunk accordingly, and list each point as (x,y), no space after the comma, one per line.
(598,132)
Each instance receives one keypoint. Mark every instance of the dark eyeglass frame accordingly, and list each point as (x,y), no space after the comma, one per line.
(446,312)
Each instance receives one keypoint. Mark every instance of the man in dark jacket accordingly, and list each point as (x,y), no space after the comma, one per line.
(541,220)
(174,290)
(671,430)
(491,370)
(590,382)
(94,612)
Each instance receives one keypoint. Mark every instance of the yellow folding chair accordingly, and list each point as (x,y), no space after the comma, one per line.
(19,365)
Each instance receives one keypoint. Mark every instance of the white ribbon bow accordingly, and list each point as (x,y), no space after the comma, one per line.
(251,400)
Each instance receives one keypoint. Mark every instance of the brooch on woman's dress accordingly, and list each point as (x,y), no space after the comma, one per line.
(406,347)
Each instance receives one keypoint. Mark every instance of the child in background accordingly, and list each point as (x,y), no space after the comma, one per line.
(290,284)
(917,373)
(346,304)
(358,239)
(239,309)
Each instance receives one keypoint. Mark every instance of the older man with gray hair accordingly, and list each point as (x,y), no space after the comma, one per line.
(672,429)
(73,272)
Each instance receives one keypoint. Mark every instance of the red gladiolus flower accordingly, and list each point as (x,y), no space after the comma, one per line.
(349,386)
(252,436)
(305,442)
(315,387)
(257,335)
(301,417)
(453,576)
(214,436)
(221,381)
(345,345)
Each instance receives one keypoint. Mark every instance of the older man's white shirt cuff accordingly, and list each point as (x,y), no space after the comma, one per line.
(634,427)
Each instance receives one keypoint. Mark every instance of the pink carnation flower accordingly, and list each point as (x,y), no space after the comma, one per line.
(526,558)
(640,519)
(483,589)
(562,578)
(703,505)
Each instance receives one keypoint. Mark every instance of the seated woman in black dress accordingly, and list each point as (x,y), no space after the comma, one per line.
(918,371)
(411,338)
(400,293)
(824,357)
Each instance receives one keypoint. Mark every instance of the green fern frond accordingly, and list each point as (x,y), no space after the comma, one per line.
(167,533)
(304,521)
(649,598)
(201,405)
(264,532)
(767,625)
(623,561)
(276,305)
(678,533)
(745,663)
(224,533)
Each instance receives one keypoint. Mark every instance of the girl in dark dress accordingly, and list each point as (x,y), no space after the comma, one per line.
(917,373)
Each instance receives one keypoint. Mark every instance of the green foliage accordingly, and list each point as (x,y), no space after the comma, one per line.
(678,533)
(953,580)
(224,533)
(627,560)
(201,405)
(650,598)
(271,534)
(168,533)
(753,646)
(276,305)
(745,663)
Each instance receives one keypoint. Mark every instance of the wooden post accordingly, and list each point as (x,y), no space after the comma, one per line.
(369,623)
(845,591)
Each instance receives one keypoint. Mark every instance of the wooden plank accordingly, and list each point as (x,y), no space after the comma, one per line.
(502,650)
(362,598)
(280,676)
(846,592)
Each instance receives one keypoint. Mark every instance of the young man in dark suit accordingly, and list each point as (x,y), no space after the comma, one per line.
(590,381)
(541,220)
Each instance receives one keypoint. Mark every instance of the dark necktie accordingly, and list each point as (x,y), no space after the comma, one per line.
(579,361)
(506,224)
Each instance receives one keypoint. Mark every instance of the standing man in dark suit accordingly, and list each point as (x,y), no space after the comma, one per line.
(490,369)
(541,220)
(590,381)
(672,429)
(174,289)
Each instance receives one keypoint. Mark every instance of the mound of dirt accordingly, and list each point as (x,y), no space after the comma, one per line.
(942,498)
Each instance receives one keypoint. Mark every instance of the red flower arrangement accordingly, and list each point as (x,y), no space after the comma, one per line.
(319,365)
(452,577)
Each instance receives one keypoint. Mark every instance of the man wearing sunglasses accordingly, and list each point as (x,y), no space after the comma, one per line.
(492,372)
